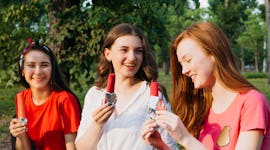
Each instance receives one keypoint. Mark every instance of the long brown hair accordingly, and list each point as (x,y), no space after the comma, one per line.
(190,104)
(147,72)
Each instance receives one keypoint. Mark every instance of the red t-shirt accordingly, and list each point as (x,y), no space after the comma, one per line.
(48,123)
(248,111)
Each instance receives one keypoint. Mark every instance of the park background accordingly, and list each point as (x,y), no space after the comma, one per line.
(75,30)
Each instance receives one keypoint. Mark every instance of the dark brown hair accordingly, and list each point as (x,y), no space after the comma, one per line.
(58,81)
(147,72)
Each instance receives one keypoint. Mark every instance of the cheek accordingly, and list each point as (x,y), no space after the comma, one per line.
(140,59)
(49,71)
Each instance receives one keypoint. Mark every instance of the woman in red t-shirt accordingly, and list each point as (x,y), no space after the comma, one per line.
(48,113)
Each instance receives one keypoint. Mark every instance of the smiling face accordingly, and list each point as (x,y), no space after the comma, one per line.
(126,54)
(37,69)
(195,63)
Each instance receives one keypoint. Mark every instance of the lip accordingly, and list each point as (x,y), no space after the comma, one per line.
(38,79)
(192,77)
(130,65)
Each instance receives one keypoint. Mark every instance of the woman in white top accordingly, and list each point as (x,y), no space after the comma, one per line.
(126,53)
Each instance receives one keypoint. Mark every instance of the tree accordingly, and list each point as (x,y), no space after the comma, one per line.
(267,11)
(252,38)
(229,15)
(76,32)
(19,21)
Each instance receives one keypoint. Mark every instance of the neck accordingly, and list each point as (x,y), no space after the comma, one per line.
(123,84)
(222,97)
(40,96)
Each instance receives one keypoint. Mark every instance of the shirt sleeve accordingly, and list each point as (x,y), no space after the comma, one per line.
(255,112)
(70,113)
(92,100)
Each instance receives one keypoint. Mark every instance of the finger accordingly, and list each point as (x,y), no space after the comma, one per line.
(17,131)
(104,115)
(101,111)
(146,136)
(107,114)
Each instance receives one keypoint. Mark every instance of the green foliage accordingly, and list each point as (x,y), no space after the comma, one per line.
(80,30)
(243,24)
(252,39)
(19,21)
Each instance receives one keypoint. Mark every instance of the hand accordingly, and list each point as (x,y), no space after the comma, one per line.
(17,128)
(103,113)
(173,125)
(149,133)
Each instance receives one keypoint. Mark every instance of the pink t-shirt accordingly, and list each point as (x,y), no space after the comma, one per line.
(248,111)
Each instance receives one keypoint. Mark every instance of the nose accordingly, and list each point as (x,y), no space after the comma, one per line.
(37,70)
(184,70)
(131,55)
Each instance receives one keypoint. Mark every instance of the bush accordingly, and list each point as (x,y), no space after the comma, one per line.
(254,75)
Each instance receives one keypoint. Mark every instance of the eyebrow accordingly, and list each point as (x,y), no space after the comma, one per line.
(32,62)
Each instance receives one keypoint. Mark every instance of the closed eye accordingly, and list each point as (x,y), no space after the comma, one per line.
(139,51)
(123,50)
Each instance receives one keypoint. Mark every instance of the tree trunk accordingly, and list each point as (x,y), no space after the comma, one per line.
(267,11)
(256,55)
(242,60)
(56,7)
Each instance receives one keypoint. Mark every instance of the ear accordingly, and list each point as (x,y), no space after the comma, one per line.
(107,54)
(213,58)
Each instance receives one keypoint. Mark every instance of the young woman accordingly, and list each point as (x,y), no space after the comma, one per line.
(126,53)
(215,106)
(51,109)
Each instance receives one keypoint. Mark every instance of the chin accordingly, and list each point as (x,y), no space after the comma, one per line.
(196,86)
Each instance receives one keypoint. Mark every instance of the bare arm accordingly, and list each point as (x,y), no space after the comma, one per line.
(250,140)
(70,138)
(23,143)
(91,137)
(18,130)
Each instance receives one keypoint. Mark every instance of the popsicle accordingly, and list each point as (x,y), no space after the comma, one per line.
(20,107)
(110,96)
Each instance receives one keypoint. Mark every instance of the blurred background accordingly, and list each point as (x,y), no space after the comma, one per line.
(75,29)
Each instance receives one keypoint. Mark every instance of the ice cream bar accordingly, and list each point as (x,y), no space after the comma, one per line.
(154,89)
(155,103)
(110,96)
(110,84)
(20,106)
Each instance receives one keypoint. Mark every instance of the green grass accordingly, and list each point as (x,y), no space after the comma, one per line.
(261,84)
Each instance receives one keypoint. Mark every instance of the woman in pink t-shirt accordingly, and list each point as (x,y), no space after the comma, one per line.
(215,106)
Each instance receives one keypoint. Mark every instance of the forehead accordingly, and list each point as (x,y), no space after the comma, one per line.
(188,47)
(128,41)
(36,56)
